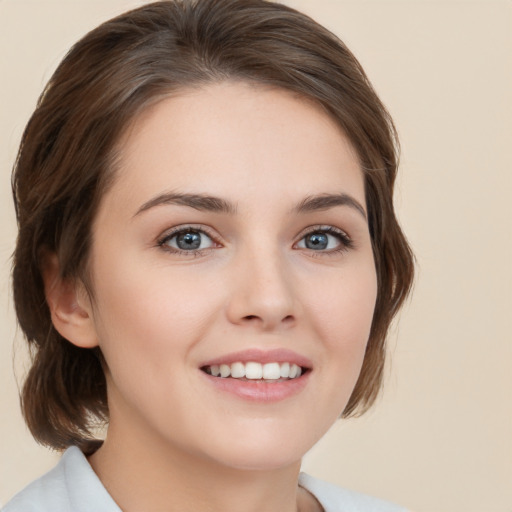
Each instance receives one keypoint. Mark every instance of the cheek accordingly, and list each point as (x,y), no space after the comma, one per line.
(342,317)
(340,311)
(344,309)
(152,307)
(148,321)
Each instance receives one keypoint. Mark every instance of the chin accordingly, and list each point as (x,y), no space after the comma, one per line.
(261,461)
(267,449)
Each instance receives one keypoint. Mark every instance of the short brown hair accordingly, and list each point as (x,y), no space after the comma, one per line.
(64,166)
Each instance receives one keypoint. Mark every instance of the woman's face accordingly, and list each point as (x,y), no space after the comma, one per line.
(235,232)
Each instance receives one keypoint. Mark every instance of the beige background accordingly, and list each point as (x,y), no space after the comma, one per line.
(440,439)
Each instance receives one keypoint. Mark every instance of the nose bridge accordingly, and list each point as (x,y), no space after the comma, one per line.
(263,288)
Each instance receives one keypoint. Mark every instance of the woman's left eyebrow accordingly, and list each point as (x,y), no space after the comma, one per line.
(326,201)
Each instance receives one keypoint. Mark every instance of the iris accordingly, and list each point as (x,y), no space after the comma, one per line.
(189,240)
(317,241)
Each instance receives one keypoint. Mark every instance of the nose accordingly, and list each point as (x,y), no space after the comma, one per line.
(262,294)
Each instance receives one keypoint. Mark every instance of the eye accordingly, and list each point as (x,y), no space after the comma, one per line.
(327,239)
(186,240)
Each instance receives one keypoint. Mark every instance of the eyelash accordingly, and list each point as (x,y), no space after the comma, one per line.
(346,243)
(162,242)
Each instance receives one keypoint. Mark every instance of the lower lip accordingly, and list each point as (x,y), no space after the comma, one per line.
(259,390)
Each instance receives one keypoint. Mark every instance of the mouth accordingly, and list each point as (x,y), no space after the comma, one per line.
(256,375)
(271,372)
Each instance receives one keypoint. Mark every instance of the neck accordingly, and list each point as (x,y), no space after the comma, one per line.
(152,476)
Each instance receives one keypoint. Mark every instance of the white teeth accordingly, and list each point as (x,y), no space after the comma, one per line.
(253,371)
(293,371)
(237,370)
(270,372)
(225,370)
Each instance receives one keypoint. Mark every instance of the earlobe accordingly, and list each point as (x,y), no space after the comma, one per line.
(69,305)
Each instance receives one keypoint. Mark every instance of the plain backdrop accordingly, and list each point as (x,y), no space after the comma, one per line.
(440,438)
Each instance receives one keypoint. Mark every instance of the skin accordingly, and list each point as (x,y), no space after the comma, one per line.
(175,442)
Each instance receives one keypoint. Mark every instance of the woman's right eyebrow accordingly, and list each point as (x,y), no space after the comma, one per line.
(197,201)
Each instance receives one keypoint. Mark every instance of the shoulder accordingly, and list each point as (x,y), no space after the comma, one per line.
(334,498)
(71,486)
(46,493)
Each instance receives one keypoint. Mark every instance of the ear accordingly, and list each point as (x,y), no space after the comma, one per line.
(69,304)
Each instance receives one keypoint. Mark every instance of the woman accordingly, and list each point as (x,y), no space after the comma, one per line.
(208,260)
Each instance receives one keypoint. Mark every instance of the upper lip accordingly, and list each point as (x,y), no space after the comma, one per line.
(261,356)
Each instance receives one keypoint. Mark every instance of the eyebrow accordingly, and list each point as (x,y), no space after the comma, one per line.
(214,204)
(197,201)
(326,201)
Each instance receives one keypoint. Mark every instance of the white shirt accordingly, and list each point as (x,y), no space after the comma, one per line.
(72,486)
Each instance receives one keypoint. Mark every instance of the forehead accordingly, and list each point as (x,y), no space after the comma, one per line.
(238,140)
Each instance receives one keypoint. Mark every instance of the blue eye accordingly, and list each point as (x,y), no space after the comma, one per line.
(328,239)
(317,241)
(187,240)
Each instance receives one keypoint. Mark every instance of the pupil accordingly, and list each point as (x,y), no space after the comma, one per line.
(317,241)
(188,241)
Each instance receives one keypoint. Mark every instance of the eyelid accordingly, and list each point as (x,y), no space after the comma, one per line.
(346,241)
(176,230)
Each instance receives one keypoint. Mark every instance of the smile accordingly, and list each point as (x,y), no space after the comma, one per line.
(259,375)
(269,372)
